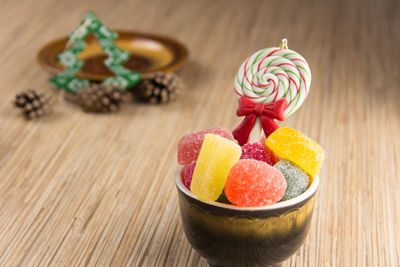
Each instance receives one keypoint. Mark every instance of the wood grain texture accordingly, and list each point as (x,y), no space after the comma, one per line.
(97,190)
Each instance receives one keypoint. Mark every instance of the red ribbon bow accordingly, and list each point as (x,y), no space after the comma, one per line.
(267,113)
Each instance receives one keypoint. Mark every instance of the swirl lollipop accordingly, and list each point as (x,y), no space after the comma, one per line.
(272,84)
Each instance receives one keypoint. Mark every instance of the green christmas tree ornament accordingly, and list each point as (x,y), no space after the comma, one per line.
(66,80)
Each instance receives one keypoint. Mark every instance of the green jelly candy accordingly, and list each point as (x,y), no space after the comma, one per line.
(297,180)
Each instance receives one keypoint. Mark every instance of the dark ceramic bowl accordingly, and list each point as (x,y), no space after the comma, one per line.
(231,236)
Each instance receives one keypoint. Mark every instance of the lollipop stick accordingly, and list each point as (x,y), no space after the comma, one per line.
(256,133)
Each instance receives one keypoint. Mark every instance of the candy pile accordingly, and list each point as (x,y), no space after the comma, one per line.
(230,167)
(216,168)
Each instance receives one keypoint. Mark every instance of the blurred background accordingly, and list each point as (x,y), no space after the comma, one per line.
(97,189)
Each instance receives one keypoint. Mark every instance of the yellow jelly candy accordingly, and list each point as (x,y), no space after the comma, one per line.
(216,158)
(294,146)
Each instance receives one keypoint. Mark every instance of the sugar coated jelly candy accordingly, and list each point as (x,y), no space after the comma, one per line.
(216,158)
(254,183)
(189,145)
(294,146)
(259,151)
(297,180)
(187,174)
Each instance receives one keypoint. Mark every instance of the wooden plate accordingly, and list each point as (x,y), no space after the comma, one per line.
(149,53)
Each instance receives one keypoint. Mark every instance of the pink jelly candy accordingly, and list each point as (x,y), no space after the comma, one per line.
(189,145)
(259,151)
(187,174)
(254,183)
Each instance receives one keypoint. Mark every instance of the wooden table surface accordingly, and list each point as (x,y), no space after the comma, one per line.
(98,190)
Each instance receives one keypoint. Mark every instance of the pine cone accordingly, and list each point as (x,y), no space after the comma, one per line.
(33,104)
(158,87)
(100,98)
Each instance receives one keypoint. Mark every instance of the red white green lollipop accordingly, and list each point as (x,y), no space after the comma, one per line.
(272,84)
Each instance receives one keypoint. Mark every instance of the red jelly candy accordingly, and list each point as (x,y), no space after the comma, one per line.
(189,145)
(187,174)
(259,151)
(254,183)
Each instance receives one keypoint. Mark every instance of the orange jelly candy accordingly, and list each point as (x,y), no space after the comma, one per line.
(254,183)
